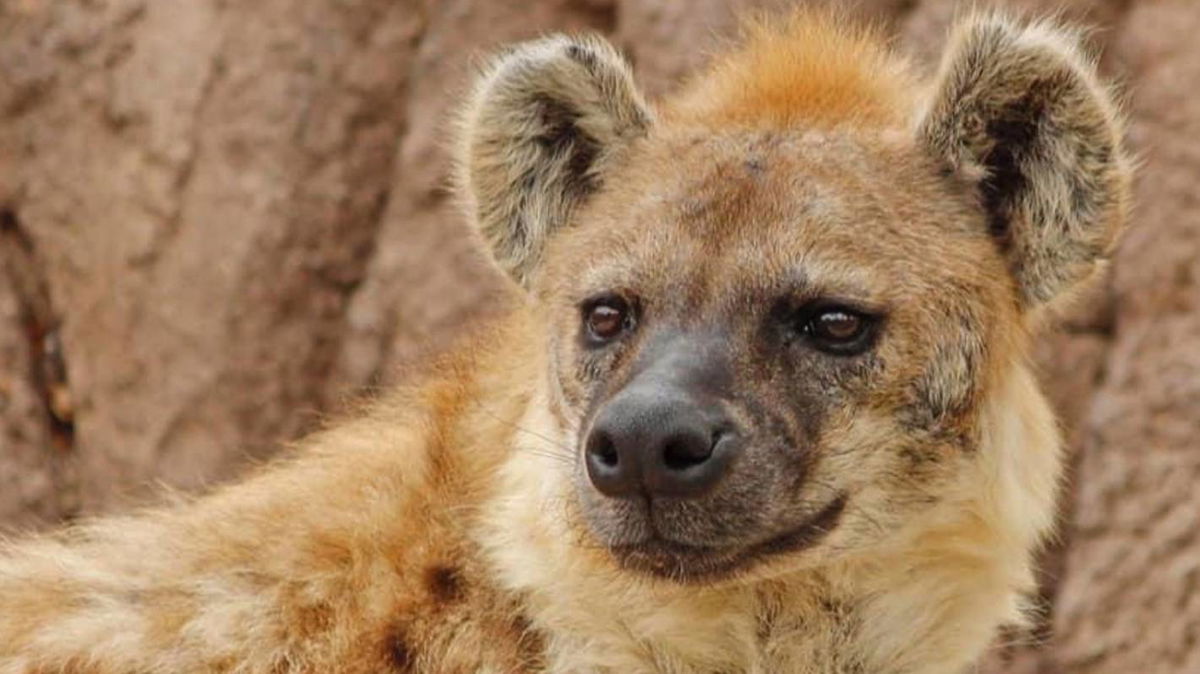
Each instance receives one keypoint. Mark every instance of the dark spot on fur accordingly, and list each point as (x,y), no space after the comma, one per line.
(834,607)
(530,641)
(915,457)
(765,620)
(444,582)
(521,623)
(756,166)
(8,220)
(920,458)
(401,654)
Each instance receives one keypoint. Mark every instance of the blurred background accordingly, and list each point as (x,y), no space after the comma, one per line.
(220,220)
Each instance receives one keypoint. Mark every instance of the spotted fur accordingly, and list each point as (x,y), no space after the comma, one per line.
(448,527)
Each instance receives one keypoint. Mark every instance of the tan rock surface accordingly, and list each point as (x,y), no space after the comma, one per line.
(1130,599)
(220,220)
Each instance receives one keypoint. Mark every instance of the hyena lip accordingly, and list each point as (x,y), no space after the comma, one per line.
(695,563)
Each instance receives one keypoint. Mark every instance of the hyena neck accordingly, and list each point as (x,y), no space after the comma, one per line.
(945,587)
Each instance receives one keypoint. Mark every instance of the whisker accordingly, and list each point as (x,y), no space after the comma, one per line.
(556,450)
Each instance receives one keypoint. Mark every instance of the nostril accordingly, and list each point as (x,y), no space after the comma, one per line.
(604,450)
(717,436)
(681,453)
(610,468)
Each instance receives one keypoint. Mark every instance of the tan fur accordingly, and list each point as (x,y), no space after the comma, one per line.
(443,528)
(809,69)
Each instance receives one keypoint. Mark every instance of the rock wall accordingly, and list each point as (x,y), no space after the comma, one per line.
(219,220)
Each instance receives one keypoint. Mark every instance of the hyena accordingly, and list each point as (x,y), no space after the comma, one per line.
(760,401)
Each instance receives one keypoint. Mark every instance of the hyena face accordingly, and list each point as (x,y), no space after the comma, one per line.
(762,337)
(773,316)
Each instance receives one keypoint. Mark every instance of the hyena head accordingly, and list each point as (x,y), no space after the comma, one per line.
(776,304)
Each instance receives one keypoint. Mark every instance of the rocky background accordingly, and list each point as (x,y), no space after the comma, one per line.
(219,220)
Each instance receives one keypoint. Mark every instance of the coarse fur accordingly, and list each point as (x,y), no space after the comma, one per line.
(449,527)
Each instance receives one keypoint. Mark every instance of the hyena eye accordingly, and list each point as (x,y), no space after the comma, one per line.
(839,330)
(606,318)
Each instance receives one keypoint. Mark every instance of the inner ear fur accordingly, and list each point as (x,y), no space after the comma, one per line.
(544,121)
(1019,110)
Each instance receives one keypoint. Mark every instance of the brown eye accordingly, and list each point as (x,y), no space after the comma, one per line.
(840,330)
(607,318)
(837,326)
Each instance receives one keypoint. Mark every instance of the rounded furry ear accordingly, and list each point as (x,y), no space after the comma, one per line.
(544,121)
(1019,110)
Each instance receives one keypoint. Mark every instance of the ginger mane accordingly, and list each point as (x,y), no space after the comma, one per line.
(809,69)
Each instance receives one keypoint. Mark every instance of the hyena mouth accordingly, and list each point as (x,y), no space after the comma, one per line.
(697,564)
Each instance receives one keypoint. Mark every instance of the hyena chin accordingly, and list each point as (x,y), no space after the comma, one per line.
(761,402)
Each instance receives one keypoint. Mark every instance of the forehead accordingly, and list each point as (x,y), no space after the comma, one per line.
(710,215)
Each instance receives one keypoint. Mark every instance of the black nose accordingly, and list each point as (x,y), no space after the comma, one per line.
(658,446)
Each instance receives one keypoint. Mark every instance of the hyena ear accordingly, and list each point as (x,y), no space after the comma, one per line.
(1019,111)
(544,122)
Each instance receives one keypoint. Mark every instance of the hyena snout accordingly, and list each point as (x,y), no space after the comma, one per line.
(659,443)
